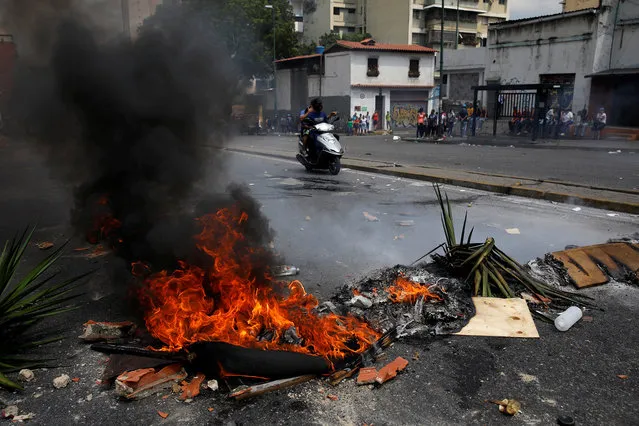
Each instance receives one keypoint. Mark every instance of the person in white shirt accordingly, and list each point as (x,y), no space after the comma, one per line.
(599,123)
(567,119)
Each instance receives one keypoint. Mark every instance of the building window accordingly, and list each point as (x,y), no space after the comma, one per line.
(351,10)
(413,68)
(502,1)
(350,29)
(336,10)
(373,67)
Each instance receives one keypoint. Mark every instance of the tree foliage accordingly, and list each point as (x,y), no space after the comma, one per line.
(244,27)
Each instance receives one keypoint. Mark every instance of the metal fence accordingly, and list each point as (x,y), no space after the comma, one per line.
(508,101)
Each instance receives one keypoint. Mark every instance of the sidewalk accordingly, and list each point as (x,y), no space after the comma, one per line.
(607,145)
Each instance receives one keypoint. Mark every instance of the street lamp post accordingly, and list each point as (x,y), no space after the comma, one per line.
(441,61)
(270,6)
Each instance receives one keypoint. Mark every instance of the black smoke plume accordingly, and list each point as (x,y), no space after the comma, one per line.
(127,123)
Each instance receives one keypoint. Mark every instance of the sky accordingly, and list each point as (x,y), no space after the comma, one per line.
(527,8)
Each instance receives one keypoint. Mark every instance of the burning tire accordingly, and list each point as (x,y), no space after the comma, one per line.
(334,165)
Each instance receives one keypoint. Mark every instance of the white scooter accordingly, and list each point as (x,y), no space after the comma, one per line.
(329,150)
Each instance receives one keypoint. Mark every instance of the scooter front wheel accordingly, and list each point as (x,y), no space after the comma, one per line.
(334,165)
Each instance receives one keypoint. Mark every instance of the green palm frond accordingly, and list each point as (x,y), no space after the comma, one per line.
(488,270)
(26,302)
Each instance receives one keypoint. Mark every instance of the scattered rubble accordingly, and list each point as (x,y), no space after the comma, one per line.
(405,222)
(369,217)
(61,381)
(389,371)
(332,397)
(163,414)
(622,376)
(45,245)
(285,271)
(360,302)
(508,406)
(513,231)
(192,389)
(367,376)
(95,331)
(26,375)
(10,411)
(141,383)
(213,385)
(260,389)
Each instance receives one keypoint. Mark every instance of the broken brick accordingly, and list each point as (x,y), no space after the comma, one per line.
(96,331)
(192,389)
(141,383)
(389,371)
(163,414)
(366,376)
(332,397)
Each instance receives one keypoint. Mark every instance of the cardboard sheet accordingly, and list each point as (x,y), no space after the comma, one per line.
(500,318)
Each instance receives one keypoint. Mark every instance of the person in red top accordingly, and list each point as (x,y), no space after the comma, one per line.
(375,120)
(421,127)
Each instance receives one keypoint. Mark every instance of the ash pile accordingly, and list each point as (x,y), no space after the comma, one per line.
(417,301)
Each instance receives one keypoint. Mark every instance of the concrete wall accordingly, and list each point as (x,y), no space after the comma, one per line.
(393,68)
(625,41)
(389,21)
(337,75)
(520,53)
(318,22)
(283,89)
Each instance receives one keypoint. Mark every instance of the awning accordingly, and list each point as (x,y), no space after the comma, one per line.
(618,71)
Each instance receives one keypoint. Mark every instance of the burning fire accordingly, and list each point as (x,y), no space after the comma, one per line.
(407,291)
(230,301)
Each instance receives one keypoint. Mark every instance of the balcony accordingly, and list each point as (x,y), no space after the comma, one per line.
(465,5)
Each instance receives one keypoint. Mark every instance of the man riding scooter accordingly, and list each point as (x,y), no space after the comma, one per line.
(312,116)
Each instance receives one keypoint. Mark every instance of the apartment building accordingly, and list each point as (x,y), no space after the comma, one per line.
(339,16)
(407,21)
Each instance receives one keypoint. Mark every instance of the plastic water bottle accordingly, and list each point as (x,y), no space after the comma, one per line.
(568,318)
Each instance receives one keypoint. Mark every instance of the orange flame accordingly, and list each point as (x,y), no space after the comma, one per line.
(229,302)
(407,291)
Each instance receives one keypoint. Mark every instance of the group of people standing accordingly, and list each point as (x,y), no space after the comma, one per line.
(362,124)
(442,125)
(558,122)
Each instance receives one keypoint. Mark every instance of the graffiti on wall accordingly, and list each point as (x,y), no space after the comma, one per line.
(405,115)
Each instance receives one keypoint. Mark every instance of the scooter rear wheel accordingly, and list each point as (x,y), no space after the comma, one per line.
(334,165)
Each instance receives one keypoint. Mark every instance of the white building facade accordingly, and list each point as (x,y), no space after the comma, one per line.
(361,77)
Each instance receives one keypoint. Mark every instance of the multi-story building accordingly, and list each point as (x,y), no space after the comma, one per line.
(407,21)
(338,16)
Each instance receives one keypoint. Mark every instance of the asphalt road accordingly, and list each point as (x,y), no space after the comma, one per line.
(572,373)
(584,167)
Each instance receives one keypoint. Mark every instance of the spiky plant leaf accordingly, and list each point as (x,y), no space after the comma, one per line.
(487,269)
(25,303)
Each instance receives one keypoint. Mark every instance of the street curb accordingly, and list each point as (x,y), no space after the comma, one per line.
(599,203)
(518,144)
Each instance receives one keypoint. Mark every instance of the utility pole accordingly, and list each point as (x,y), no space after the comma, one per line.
(441,61)
(126,24)
(457,28)
(272,7)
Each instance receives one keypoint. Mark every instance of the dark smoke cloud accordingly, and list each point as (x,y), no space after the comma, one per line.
(126,122)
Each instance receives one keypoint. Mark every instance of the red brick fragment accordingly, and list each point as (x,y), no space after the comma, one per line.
(389,371)
(366,376)
(192,389)
(146,381)
(332,397)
